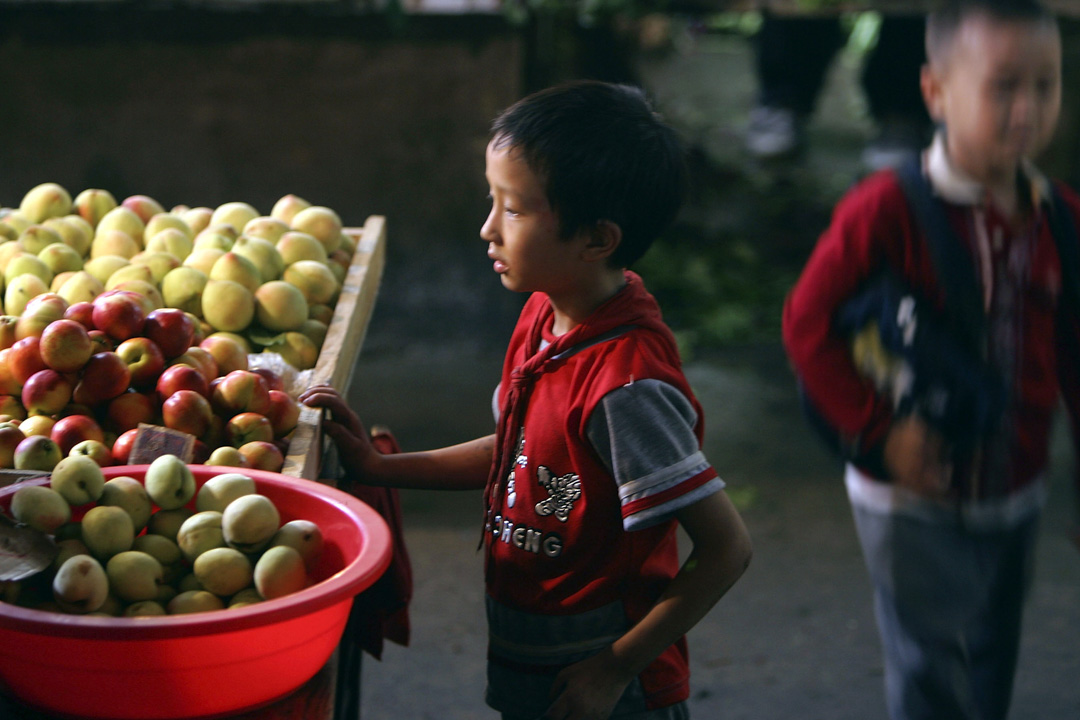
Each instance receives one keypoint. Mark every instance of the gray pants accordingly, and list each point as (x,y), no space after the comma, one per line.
(948,601)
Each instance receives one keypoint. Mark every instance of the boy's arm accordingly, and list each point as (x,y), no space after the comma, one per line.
(721,552)
(459,467)
(869,232)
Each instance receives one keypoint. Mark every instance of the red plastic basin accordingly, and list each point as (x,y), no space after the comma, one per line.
(201,664)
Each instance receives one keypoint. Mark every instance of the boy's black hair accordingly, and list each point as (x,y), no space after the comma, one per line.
(947,15)
(602,155)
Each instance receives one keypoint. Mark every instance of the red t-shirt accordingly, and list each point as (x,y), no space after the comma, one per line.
(564,577)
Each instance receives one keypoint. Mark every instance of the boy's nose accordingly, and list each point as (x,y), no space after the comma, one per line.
(488,232)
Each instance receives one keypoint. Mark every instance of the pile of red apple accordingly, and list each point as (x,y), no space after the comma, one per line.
(122,313)
(81,378)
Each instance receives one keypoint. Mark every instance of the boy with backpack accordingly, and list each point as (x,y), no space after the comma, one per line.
(933,330)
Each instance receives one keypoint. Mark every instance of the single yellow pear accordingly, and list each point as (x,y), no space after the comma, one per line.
(183,288)
(45,201)
(228,305)
(239,269)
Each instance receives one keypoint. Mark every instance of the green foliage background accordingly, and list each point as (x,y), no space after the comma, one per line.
(715,293)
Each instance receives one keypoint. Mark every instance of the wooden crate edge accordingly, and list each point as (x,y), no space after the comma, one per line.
(344,339)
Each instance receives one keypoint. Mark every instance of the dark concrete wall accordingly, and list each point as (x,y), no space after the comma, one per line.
(205,107)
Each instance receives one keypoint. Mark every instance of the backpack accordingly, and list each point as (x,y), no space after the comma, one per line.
(930,362)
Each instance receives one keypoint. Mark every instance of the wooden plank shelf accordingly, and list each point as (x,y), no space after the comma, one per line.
(344,338)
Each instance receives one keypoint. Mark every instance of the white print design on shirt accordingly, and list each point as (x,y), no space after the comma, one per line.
(520,461)
(563,491)
(526,538)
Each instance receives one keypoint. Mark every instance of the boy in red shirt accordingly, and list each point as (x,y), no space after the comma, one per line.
(947,534)
(597,456)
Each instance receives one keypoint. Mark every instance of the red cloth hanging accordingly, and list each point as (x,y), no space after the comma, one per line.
(382,611)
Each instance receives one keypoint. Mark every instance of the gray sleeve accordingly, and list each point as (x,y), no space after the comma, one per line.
(644,434)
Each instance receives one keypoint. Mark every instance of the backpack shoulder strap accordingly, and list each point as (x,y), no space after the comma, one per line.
(952,261)
(1063,228)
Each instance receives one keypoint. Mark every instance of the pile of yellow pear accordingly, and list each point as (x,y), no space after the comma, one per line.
(272,279)
(161,546)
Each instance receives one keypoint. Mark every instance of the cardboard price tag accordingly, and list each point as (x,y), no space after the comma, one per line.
(153,441)
(24,551)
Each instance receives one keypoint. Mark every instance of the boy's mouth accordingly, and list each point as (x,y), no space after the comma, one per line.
(497,265)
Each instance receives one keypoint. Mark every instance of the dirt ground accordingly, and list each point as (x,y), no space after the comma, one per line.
(795,638)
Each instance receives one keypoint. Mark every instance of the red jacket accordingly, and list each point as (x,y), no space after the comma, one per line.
(872,229)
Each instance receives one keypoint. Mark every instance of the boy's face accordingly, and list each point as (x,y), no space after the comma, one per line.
(522,229)
(998,92)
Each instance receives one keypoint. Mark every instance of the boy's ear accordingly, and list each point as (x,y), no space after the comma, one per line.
(930,84)
(604,238)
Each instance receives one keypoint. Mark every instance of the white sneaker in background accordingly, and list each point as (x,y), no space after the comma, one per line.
(773,132)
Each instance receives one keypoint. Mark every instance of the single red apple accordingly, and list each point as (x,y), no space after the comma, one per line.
(181,377)
(187,411)
(24,358)
(71,430)
(171,329)
(82,312)
(284,413)
(199,359)
(144,359)
(262,455)
(128,409)
(9,384)
(10,437)
(103,377)
(65,345)
(121,449)
(119,314)
(241,391)
(248,427)
(46,392)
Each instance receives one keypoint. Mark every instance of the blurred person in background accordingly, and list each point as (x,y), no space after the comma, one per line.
(793,55)
(966,268)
